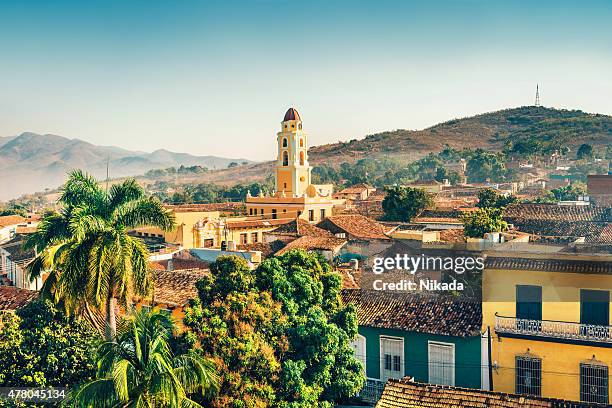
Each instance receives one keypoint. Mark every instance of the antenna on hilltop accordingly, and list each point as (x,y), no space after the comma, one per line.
(537,101)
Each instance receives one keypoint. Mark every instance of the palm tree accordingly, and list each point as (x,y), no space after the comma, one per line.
(139,370)
(86,247)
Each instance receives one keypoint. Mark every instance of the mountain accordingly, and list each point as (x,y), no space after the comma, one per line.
(32,162)
(490,131)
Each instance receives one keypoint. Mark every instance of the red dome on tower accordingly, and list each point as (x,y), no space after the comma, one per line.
(292,114)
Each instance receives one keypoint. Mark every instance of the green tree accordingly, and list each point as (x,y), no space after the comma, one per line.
(92,259)
(405,203)
(570,192)
(585,151)
(41,347)
(281,334)
(489,198)
(477,223)
(138,369)
(483,166)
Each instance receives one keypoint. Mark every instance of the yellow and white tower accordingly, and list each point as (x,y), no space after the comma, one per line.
(292,168)
(294,195)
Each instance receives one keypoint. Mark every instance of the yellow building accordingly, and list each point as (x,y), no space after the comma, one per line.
(549,316)
(294,195)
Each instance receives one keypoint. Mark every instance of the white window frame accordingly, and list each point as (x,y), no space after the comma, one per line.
(382,357)
(430,367)
(362,358)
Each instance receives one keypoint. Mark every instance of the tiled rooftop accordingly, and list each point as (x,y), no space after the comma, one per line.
(223,207)
(408,394)
(355,226)
(8,220)
(308,243)
(266,248)
(175,288)
(12,298)
(604,266)
(442,315)
(559,212)
(300,227)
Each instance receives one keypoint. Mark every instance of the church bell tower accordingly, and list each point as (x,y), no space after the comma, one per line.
(292,168)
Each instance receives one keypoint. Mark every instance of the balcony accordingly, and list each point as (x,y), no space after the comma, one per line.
(371,391)
(551,330)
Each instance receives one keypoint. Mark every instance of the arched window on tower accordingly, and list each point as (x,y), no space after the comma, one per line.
(284,142)
(301,158)
(285,159)
(301,142)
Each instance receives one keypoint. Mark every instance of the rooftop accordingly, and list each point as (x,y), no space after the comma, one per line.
(559,212)
(603,266)
(8,220)
(176,288)
(223,207)
(12,298)
(442,315)
(309,243)
(300,227)
(356,226)
(405,393)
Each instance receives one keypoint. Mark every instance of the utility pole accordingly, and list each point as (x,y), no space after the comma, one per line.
(107,162)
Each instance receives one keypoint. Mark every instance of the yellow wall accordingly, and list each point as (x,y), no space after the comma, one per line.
(185,234)
(560,301)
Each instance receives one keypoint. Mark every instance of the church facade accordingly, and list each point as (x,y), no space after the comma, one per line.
(294,195)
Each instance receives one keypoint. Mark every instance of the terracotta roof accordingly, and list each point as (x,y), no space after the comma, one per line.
(452,235)
(603,266)
(314,243)
(179,264)
(266,248)
(291,114)
(300,227)
(257,223)
(559,212)
(355,226)
(223,207)
(437,220)
(356,189)
(12,298)
(16,250)
(405,393)
(558,228)
(442,315)
(8,220)
(26,230)
(176,288)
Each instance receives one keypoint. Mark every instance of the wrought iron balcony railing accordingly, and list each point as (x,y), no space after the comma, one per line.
(553,329)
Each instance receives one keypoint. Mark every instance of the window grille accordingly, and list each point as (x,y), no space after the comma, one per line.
(528,375)
(594,383)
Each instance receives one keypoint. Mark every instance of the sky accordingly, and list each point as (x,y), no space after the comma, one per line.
(207,77)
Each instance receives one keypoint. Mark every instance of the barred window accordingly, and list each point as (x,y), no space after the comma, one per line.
(594,383)
(528,375)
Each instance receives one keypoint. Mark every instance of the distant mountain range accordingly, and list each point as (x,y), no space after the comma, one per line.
(31,162)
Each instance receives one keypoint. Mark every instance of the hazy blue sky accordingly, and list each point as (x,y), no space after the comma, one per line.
(216,78)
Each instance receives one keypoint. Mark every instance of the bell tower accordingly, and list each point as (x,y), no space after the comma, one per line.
(292,168)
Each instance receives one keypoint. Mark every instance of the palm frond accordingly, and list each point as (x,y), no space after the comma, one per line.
(96,394)
(144,212)
(125,192)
